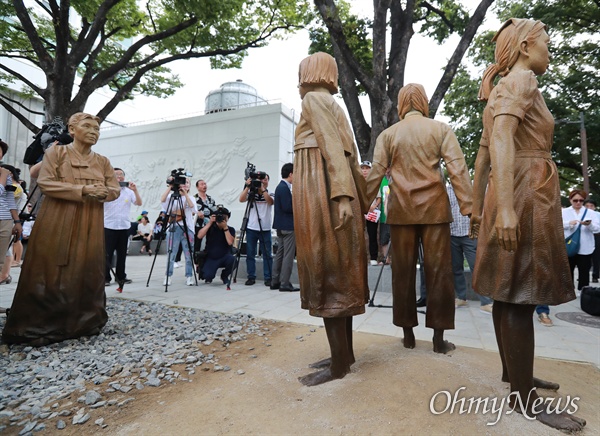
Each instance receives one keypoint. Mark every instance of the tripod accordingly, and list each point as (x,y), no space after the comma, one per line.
(371,301)
(251,203)
(175,204)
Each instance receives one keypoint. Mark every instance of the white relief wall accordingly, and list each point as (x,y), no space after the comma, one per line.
(213,147)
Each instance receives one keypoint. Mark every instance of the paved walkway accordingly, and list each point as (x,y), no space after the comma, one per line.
(473,328)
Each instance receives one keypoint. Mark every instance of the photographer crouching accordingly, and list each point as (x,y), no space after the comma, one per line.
(219,240)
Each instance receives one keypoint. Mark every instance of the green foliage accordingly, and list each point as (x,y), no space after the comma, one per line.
(357,31)
(441,18)
(127,44)
(570,86)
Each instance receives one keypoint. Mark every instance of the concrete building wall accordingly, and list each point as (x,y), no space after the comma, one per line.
(215,147)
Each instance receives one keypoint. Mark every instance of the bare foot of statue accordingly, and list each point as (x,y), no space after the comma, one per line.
(439,344)
(561,421)
(409,338)
(323,376)
(538,383)
(324,363)
(543,384)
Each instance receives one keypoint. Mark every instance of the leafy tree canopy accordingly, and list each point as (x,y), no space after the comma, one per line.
(126,45)
(570,86)
(371,53)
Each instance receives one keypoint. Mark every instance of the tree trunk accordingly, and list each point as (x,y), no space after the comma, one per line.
(384,83)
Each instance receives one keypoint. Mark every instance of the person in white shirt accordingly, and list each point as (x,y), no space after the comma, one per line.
(176,234)
(116,226)
(573,217)
(258,229)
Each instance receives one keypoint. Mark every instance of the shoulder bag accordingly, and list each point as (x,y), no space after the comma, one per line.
(573,239)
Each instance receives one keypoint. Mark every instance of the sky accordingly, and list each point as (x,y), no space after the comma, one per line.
(273,71)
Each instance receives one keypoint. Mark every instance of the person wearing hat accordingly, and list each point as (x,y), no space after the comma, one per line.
(219,240)
(371,218)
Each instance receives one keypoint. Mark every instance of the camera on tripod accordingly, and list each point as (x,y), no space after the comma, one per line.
(255,177)
(221,213)
(178,177)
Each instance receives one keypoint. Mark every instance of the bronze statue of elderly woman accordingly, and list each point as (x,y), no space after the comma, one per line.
(60,294)
(521,255)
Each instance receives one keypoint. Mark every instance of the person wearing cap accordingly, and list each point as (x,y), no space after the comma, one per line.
(219,240)
(371,218)
(117,226)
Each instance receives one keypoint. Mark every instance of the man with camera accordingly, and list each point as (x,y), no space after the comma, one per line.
(258,230)
(206,206)
(219,239)
(117,224)
(181,208)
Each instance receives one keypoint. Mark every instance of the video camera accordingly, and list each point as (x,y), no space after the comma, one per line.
(220,213)
(178,177)
(50,133)
(255,177)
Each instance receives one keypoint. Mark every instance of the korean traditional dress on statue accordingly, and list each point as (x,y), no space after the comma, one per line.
(60,294)
(332,266)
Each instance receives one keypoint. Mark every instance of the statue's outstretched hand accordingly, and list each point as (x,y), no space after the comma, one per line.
(345,213)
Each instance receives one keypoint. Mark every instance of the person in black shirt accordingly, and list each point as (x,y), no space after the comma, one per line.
(219,240)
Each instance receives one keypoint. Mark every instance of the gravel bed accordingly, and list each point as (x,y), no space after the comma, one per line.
(136,349)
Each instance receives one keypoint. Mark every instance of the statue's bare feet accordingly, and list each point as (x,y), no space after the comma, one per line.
(538,383)
(561,421)
(320,377)
(543,384)
(409,338)
(443,346)
(325,363)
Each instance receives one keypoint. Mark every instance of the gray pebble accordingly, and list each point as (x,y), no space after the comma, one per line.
(137,347)
(92,397)
(81,418)
(28,427)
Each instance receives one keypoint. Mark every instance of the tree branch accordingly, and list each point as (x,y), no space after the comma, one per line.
(83,47)
(18,103)
(455,60)
(41,92)
(46,61)
(329,14)
(22,118)
(439,12)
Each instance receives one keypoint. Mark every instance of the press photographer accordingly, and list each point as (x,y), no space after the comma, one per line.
(258,229)
(219,240)
(116,226)
(181,208)
(206,205)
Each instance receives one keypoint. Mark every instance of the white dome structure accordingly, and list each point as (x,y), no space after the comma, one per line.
(231,96)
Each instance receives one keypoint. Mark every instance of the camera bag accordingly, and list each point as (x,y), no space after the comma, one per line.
(590,300)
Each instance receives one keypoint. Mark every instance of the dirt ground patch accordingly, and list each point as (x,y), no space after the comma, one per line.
(388,392)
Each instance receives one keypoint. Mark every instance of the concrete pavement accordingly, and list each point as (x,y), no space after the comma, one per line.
(565,340)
